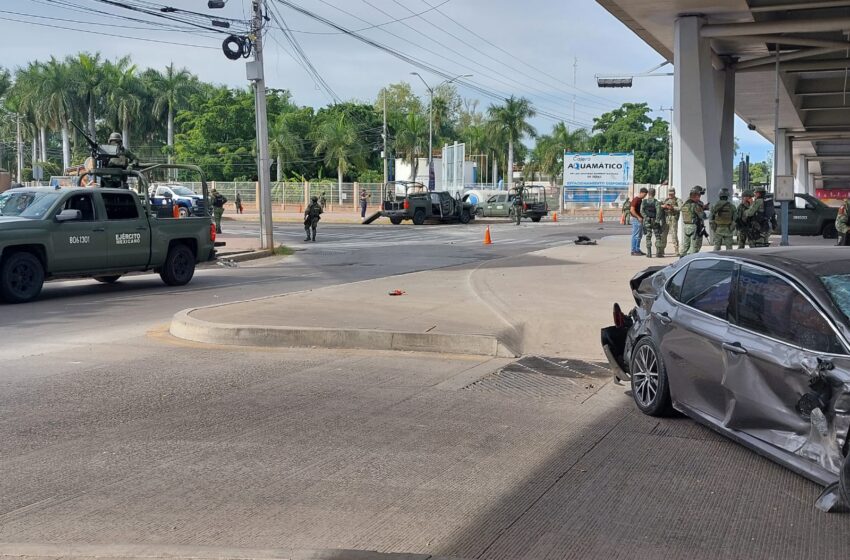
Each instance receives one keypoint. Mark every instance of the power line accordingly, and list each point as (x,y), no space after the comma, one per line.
(110,34)
(375,26)
(412,60)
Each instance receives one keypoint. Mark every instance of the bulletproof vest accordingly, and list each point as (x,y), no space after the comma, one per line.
(769,209)
(675,204)
(314,210)
(725,213)
(651,210)
(218,200)
(689,211)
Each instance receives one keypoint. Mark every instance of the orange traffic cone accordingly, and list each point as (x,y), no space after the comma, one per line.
(487,239)
(554,216)
(601,216)
(175,211)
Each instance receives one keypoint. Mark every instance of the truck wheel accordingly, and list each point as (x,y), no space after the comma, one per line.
(108,279)
(183,212)
(21,278)
(395,220)
(465,217)
(829,231)
(419,217)
(179,266)
(535,219)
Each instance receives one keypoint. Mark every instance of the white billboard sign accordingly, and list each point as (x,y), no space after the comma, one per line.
(591,170)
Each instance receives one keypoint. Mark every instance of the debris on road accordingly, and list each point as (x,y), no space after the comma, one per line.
(584,240)
(397,293)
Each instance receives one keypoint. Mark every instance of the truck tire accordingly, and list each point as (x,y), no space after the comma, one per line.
(21,278)
(183,212)
(395,220)
(179,266)
(829,231)
(465,217)
(535,219)
(419,217)
(108,279)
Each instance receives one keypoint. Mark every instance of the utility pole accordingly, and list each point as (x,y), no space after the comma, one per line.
(669,146)
(384,135)
(20,158)
(256,75)
(575,75)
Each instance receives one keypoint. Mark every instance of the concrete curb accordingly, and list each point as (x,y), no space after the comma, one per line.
(246,256)
(184,326)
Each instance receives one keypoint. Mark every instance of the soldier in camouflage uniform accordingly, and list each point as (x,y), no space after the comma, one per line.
(312,215)
(653,222)
(842,223)
(693,215)
(672,208)
(627,215)
(758,234)
(722,221)
(123,159)
(740,218)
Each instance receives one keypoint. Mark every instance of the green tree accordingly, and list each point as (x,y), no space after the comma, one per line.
(171,90)
(412,139)
(400,100)
(337,141)
(124,94)
(630,129)
(56,102)
(511,118)
(285,140)
(86,72)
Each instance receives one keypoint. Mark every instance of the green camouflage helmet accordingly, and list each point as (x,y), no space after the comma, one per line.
(747,193)
(724,193)
(760,190)
(697,190)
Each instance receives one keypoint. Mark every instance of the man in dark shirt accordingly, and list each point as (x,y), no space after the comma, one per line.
(637,222)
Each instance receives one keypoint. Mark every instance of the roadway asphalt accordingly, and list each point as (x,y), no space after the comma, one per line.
(78,312)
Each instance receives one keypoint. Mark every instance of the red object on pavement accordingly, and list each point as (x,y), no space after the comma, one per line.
(396,293)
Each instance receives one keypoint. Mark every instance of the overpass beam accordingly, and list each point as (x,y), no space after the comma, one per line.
(698,103)
(801,179)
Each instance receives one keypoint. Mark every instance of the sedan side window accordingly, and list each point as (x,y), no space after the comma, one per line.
(708,286)
(771,306)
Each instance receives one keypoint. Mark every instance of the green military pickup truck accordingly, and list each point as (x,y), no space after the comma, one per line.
(100,233)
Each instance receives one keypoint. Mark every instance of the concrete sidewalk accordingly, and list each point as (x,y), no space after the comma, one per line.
(551,302)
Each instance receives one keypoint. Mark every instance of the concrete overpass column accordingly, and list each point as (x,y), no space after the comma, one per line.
(696,113)
(781,155)
(725,87)
(812,187)
(801,179)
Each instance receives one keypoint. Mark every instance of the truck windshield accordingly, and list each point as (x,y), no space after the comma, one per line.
(838,286)
(27,204)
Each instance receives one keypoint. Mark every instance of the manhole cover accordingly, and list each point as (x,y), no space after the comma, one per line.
(546,378)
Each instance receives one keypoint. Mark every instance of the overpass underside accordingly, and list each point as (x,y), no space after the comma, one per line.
(725,57)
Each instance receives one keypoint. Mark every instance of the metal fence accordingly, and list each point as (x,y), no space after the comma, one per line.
(294,196)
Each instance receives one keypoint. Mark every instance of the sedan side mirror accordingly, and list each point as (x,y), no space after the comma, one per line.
(69,215)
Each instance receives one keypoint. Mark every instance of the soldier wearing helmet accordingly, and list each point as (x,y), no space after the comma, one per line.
(722,221)
(121,159)
(312,215)
(758,220)
(741,219)
(693,216)
(672,208)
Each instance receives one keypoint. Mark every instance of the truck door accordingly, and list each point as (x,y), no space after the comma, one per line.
(803,217)
(127,229)
(79,245)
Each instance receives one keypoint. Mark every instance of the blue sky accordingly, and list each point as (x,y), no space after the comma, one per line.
(526,48)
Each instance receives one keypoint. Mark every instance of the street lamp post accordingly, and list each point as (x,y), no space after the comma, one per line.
(431,114)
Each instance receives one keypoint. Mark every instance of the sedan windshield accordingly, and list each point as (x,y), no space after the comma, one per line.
(838,286)
(27,204)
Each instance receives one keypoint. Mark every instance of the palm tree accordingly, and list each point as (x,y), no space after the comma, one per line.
(56,102)
(575,141)
(412,139)
(285,141)
(86,71)
(512,119)
(124,93)
(29,103)
(336,140)
(494,138)
(171,90)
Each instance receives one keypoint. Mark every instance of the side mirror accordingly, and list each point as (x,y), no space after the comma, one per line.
(69,215)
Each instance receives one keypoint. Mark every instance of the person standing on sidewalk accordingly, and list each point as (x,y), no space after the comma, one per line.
(653,222)
(672,208)
(721,221)
(312,215)
(741,218)
(637,222)
(364,202)
(238,203)
(693,215)
(627,216)
(218,202)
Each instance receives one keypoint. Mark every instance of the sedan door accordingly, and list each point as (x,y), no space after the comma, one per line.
(79,245)
(778,327)
(693,347)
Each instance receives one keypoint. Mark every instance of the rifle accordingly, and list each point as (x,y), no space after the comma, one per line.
(98,154)
(699,222)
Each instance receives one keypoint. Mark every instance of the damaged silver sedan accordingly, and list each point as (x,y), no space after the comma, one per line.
(753,344)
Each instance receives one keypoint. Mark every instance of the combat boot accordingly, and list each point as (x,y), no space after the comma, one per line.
(648,253)
(314,235)
(660,255)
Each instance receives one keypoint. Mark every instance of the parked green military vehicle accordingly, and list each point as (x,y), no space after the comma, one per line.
(101,233)
(413,201)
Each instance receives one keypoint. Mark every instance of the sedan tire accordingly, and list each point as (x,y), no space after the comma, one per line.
(650,388)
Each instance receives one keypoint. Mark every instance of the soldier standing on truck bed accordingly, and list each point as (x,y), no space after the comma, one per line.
(123,159)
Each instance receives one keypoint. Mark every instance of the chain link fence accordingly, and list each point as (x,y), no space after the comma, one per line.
(294,196)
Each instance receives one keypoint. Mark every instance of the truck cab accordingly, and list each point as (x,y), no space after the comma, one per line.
(96,232)
(808,215)
(187,201)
